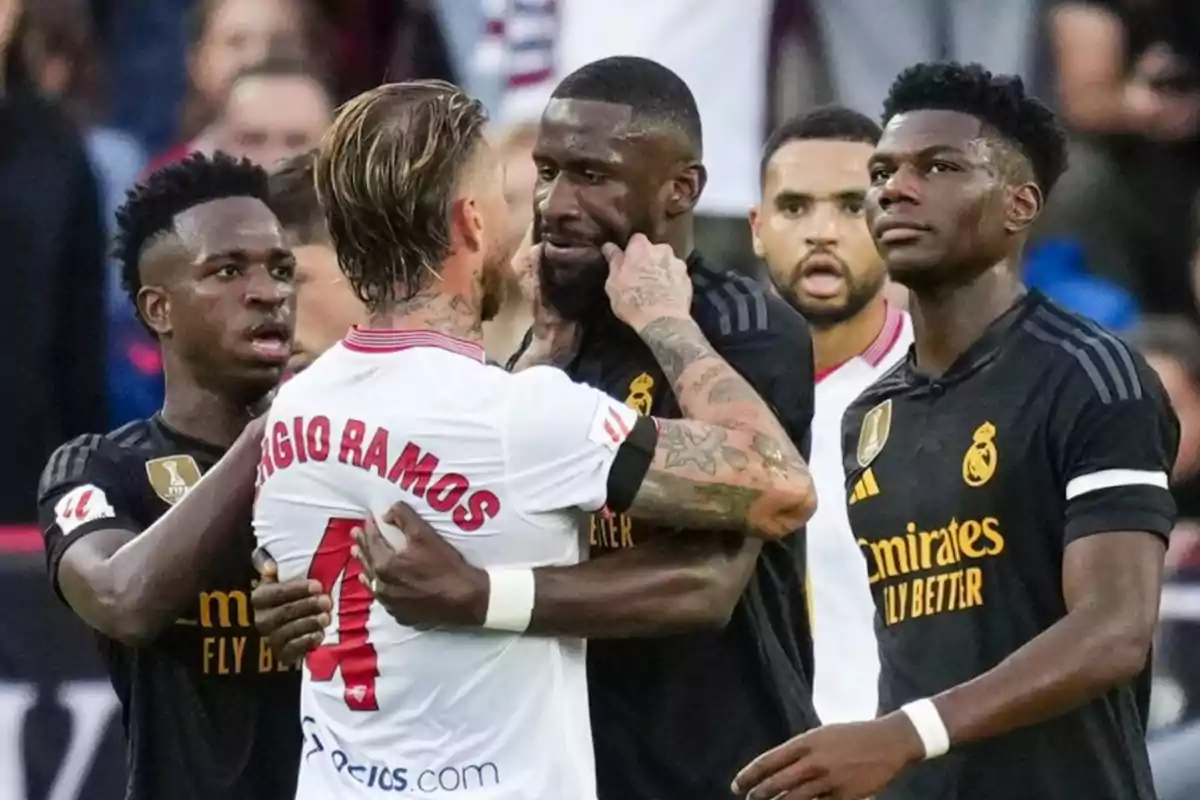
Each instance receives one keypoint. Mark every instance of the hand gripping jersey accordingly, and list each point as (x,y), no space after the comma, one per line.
(496,463)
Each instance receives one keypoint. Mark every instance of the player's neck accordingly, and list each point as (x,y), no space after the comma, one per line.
(946,322)
(837,344)
(202,413)
(454,313)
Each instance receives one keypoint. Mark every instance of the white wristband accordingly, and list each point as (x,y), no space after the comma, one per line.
(510,599)
(924,716)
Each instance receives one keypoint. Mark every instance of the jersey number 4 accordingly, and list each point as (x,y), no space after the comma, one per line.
(353,654)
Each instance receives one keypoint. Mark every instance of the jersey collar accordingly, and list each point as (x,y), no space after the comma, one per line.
(877,350)
(985,348)
(370,340)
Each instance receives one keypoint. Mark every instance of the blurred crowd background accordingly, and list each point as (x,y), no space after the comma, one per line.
(97,92)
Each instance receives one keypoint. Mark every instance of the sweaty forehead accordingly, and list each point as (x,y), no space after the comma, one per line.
(585,126)
(915,131)
(227,225)
(818,167)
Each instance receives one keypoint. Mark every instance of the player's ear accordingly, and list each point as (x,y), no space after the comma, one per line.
(466,224)
(154,307)
(755,220)
(685,189)
(1023,204)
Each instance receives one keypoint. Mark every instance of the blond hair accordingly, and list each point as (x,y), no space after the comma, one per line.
(386,174)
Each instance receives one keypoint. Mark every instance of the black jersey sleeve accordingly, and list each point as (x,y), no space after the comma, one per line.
(1115,438)
(79,493)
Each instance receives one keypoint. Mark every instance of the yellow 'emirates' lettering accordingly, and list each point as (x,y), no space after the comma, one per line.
(613,532)
(919,551)
(224,652)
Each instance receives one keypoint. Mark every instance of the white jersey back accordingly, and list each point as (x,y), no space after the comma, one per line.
(497,464)
(845,653)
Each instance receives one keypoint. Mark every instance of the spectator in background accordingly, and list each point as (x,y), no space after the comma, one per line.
(1172,347)
(1129,83)
(326,304)
(502,334)
(274,110)
(227,36)
(53,298)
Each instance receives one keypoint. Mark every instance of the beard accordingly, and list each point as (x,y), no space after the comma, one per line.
(494,286)
(575,290)
(821,315)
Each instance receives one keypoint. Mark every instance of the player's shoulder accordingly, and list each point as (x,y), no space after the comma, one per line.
(96,454)
(1082,360)
(729,306)
(888,386)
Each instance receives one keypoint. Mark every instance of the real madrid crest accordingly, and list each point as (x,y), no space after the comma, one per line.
(171,477)
(640,398)
(979,462)
(873,434)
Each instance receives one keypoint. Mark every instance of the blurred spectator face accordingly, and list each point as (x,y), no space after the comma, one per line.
(239,33)
(268,118)
(326,306)
(1185,399)
(520,178)
(811,232)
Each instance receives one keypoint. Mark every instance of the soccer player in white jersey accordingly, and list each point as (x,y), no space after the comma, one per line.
(810,231)
(405,409)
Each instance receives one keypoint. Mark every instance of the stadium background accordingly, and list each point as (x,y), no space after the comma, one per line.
(144,82)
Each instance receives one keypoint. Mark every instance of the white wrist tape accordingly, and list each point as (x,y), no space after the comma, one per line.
(924,716)
(510,599)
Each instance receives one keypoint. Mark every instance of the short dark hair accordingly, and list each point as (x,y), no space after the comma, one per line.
(385,175)
(150,207)
(1174,337)
(999,101)
(294,200)
(833,122)
(656,94)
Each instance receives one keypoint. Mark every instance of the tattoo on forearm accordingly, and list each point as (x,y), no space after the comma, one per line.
(674,345)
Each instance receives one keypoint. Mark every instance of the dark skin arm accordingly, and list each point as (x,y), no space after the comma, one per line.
(1111,584)
(659,588)
(131,587)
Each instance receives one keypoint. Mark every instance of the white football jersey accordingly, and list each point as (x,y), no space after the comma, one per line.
(845,653)
(497,463)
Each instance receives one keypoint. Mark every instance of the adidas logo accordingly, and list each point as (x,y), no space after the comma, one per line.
(865,487)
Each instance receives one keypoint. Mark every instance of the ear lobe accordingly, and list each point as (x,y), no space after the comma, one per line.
(755,221)
(1024,205)
(155,309)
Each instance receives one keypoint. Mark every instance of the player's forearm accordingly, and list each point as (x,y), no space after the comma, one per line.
(708,389)
(657,589)
(1079,658)
(155,576)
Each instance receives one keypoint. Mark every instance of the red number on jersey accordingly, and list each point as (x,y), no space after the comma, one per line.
(353,654)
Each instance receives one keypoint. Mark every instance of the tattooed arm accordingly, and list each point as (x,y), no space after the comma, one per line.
(729,465)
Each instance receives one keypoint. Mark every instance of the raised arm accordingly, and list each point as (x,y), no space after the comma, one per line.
(128,583)
(729,465)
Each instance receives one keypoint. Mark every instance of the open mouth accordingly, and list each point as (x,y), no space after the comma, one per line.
(822,277)
(271,342)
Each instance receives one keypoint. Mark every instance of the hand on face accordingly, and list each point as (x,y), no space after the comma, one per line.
(555,340)
(647,282)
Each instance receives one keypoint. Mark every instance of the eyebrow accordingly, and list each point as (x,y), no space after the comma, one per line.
(924,152)
(843,194)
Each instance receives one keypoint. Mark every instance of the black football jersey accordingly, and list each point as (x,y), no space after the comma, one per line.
(964,491)
(208,712)
(676,717)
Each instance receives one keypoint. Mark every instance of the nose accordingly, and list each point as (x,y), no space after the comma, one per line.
(822,228)
(902,186)
(267,289)
(557,201)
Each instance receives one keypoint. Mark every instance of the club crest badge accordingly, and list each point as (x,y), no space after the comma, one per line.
(171,477)
(979,462)
(873,434)
(640,396)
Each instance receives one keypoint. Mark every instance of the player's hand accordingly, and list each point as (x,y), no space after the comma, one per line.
(646,282)
(555,341)
(292,615)
(841,762)
(424,582)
